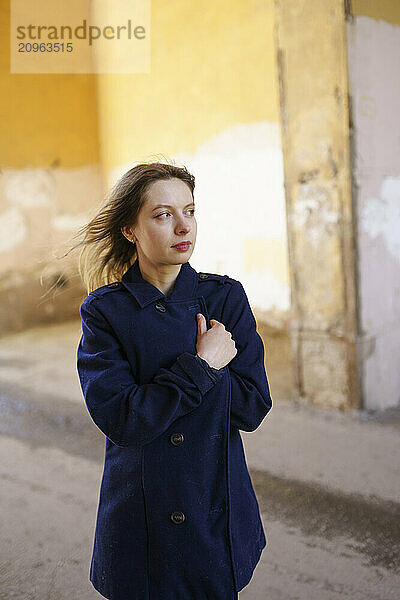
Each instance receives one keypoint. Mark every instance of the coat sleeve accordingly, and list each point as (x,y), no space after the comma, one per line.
(250,393)
(127,413)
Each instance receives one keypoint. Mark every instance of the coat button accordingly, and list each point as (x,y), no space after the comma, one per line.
(114,284)
(176,438)
(160,307)
(177,517)
(203,275)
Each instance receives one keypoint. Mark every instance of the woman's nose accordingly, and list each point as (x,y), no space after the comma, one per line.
(182,227)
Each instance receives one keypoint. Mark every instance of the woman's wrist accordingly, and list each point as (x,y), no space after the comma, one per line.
(206,361)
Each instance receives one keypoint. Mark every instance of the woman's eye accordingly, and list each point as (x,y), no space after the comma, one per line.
(191,210)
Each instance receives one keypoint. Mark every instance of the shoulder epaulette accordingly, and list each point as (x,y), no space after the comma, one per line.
(215,277)
(109,287)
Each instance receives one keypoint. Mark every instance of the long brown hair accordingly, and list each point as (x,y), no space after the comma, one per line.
(105,252)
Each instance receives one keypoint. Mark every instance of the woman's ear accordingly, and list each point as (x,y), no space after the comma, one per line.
(126,230)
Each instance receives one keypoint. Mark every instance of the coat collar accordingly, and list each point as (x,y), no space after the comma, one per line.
(145,292)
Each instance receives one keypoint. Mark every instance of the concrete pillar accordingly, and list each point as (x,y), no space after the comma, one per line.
(313,79)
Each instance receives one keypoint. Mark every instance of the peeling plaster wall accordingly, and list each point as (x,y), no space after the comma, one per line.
(374,67)
(39,210)
(313,81)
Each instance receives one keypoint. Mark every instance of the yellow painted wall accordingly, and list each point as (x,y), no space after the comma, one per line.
(211,97)
(46,120)
(212,67)
(387,10)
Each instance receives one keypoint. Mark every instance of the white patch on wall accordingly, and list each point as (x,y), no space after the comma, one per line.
(382,215)
(262,288)
(66,222)
(40,206)
(29,187)
(12,229)
(311,213)
(239,194)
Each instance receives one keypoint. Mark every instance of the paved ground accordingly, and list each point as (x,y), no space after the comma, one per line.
(327,484)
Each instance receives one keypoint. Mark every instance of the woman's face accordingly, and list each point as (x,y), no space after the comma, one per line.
(165,219)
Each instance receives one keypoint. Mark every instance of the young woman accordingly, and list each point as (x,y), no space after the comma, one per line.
(170,388)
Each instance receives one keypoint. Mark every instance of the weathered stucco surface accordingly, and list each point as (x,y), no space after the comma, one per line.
(314,119)
(40,209)
(374,67)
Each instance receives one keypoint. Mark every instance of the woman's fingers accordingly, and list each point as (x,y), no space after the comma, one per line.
(201,324)
(215,322)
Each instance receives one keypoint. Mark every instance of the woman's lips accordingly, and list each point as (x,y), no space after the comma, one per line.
(183,246)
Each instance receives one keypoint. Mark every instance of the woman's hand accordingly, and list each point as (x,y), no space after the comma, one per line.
(214,345)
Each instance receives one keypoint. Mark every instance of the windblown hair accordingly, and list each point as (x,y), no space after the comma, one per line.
(105,252)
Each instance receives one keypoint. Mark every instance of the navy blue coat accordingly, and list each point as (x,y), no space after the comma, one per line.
(177,518)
